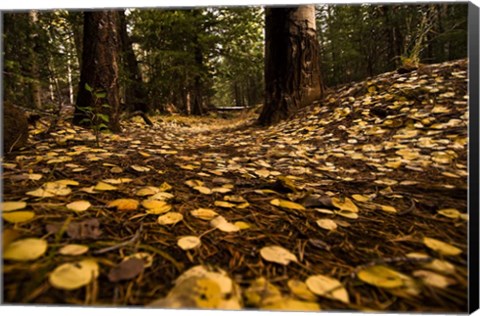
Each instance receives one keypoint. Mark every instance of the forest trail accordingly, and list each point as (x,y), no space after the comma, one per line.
(365,193)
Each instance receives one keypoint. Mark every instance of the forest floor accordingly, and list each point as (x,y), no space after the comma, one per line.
(364,196)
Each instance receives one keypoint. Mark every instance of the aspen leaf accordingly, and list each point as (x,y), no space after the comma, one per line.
(265,192)
(327,224)
(433,279)
(324,211)
(13,206)
(25,249)
(262,173)
(79,206)
(388,209)
(18,216)
(203,190)
(9,236)
(193,292)
(217,275)
(164,187)
(224,204)
(222,224)
(381,276)
(347,214)
(277,254)
(66,182)
(204,213)
(242,225)
(261,292)
(449,212)
(170,218)
(291,304)
(194,183)
(300,290)
(418,255)
(73,250)
(156,207)
(161,196)
(221,190)
(441,266)
(124,204)
(117,181)
(189,242)
(328,287)
(188,167)
(234,198)
(50,189)
(102,186)
(287,204)
(441,247)
(148,191)
(140,168)
(71,276)
(145,256)
(34,176)
(346,205)
(360,198)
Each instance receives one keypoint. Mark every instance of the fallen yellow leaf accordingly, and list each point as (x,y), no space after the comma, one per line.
(79,206)
(124,204)
(441,247)
(25,249)
(13,206)
(18,216)
(346,205)
(287,204)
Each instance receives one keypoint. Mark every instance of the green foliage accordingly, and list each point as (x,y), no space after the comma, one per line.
(229,43)
(358,41)
(94,118)
(50,40)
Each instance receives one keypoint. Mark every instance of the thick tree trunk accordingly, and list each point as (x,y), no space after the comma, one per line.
(100,68)
(292,68)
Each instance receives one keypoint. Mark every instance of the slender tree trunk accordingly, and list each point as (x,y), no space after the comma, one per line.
(135,94)
(35,83)
(197,93)
(292,68)
(100,68)
(75,18)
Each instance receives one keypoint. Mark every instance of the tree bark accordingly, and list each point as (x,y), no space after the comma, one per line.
(135,94)
(197,93)
(76,19)
(35,83)
(100,68)
(292,68)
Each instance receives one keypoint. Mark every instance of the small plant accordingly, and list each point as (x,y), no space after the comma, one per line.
(94,118)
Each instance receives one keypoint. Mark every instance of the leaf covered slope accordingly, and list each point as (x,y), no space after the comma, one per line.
(359,202)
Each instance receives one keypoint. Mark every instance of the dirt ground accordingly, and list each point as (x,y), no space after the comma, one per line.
(374,175)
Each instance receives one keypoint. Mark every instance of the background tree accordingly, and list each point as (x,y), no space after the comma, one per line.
(215,55)
(135,95)
(292,72)
(42,53)
(205,57)
(358,41)
(100,69)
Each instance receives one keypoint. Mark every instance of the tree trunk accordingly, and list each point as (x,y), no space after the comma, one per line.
(135,94)
(197,93)
(35,83)
(99,68)
(292,68)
